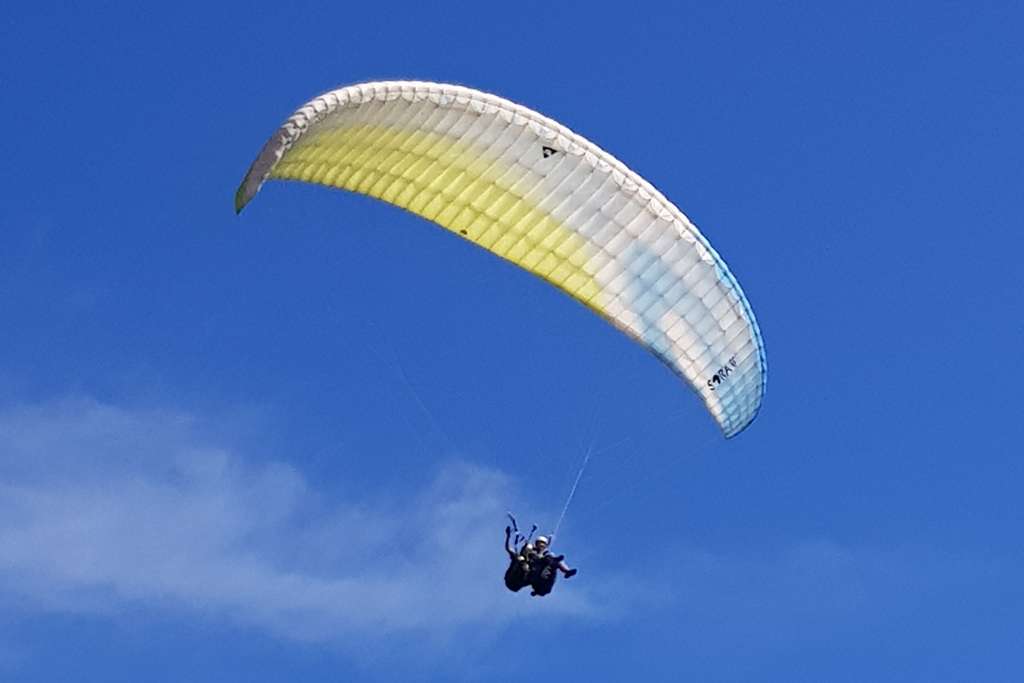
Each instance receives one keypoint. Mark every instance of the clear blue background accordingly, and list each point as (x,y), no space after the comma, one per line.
(859,167)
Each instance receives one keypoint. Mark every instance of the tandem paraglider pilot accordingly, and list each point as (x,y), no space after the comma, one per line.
(532,564)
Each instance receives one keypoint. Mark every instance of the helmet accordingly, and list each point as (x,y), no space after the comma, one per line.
(542,539)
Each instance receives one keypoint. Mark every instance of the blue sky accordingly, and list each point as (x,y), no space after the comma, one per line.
(282,444)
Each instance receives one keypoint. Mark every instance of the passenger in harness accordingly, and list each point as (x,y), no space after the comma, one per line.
(544,567)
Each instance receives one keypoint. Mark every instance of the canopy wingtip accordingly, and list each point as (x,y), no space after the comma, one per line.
(242,197)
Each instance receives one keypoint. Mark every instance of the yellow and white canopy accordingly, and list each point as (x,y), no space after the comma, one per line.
(528,189)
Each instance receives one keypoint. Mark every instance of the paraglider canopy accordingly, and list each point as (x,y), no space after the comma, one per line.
(531,191)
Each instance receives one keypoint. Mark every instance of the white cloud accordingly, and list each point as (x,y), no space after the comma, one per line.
(103,508)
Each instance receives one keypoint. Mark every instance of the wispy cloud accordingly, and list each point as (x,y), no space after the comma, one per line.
(103,508)
(106,510)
